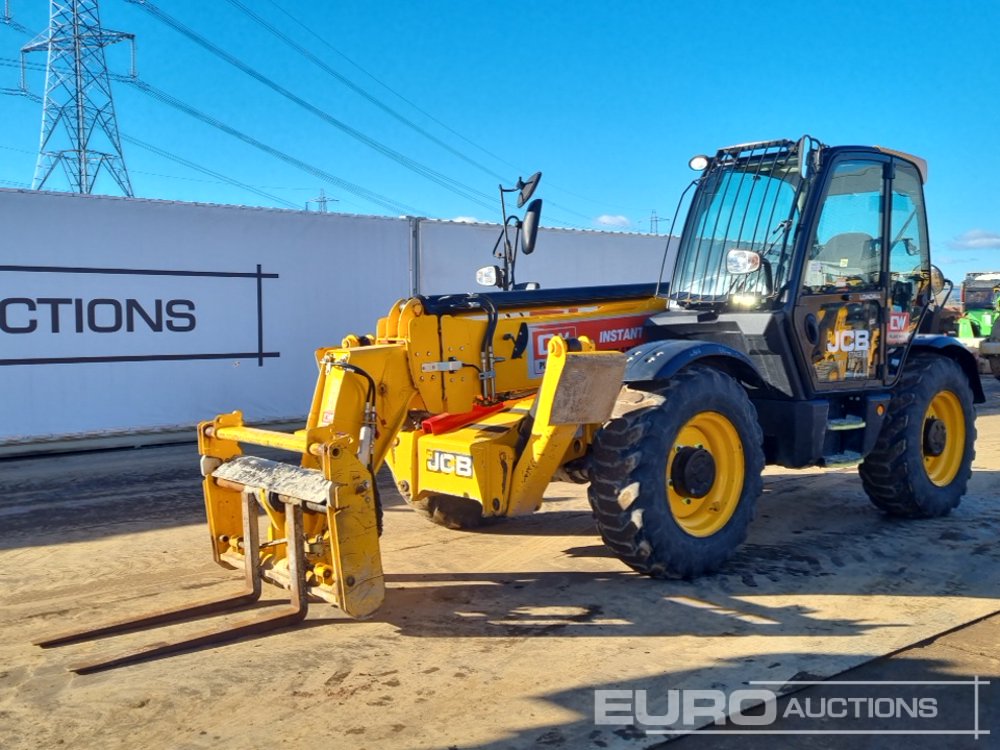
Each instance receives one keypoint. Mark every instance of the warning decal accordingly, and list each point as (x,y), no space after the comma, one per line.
(609,334)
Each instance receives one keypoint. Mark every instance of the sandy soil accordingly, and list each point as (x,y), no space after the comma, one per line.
(493,639)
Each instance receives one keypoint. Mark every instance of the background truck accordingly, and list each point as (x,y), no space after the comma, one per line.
(980,297)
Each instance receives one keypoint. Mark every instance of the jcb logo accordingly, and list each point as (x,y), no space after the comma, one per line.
(849,341)
(449,463)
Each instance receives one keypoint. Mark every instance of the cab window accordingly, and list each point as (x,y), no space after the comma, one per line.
(846,250)
(909,260)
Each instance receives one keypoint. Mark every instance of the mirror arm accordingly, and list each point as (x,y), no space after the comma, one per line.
(513,259)
(496,245)
(508,252)
(951,287)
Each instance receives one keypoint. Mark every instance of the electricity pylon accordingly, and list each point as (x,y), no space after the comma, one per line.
(79,129)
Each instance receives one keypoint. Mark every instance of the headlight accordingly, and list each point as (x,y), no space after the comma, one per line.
(699,163)
(739,262)
(487,276)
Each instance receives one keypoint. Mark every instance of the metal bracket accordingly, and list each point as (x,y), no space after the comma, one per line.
(451,365)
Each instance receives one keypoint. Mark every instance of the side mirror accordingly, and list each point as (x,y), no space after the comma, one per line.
(527,188)
(740,262)
(488,276)
(937,281)
(529,226)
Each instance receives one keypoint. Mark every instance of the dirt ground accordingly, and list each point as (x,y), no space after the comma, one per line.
(492,639)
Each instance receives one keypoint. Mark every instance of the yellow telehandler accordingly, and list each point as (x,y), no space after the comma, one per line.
(788,334)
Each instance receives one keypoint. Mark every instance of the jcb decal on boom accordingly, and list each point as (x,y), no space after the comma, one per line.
(618,333)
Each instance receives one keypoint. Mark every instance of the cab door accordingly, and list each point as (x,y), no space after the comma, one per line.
(840,314)
(909,287)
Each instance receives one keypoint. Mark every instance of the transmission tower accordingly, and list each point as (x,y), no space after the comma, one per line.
(79,129)
(321,201)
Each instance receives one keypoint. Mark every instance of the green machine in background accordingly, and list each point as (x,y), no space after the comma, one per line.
(980,304)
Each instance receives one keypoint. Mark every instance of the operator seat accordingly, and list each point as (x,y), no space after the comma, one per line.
(854,252)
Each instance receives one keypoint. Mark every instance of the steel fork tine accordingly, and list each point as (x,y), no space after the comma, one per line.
(251,593)
(282,618)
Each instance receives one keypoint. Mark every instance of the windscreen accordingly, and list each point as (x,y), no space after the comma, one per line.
(980,299)
(747,200)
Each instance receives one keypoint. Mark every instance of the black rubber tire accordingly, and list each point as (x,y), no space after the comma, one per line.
(628,489)
(995,365)
(450,511)
(893,474)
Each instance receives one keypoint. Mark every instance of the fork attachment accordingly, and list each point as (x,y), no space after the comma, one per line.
(295,612)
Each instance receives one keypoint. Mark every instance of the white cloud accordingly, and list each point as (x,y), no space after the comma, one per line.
(467,220)
(977,239)
(612,220)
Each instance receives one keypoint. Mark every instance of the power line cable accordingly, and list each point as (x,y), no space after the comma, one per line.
(215,182)
(455,186)
(163,97)
(320,63)
(8,20)
(188,109)
(18,27)
(411,103)
(297,21)
(204,170)
(382,201)
(11,148)
(356,190)
(388,88)
(172,157)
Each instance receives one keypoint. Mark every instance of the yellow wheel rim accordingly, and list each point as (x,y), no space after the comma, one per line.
(946,409)
(711,432)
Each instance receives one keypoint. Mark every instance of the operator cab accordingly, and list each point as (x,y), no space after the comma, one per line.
(789,255)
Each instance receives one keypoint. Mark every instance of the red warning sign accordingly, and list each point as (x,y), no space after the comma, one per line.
(899,328)
(609,334)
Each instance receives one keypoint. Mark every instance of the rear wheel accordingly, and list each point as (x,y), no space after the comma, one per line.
(922,461)
(675,474)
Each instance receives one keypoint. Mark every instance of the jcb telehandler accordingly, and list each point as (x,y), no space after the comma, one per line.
(788,334)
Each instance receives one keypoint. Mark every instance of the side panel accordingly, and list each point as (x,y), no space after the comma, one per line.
(521,338)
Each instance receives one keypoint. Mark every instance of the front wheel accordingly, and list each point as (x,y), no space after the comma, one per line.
(676,473)
(921,464)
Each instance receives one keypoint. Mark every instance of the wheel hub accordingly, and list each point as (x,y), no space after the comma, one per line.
(935,437)
(693,472)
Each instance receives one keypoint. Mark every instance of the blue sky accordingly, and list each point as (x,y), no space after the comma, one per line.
(608,100)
